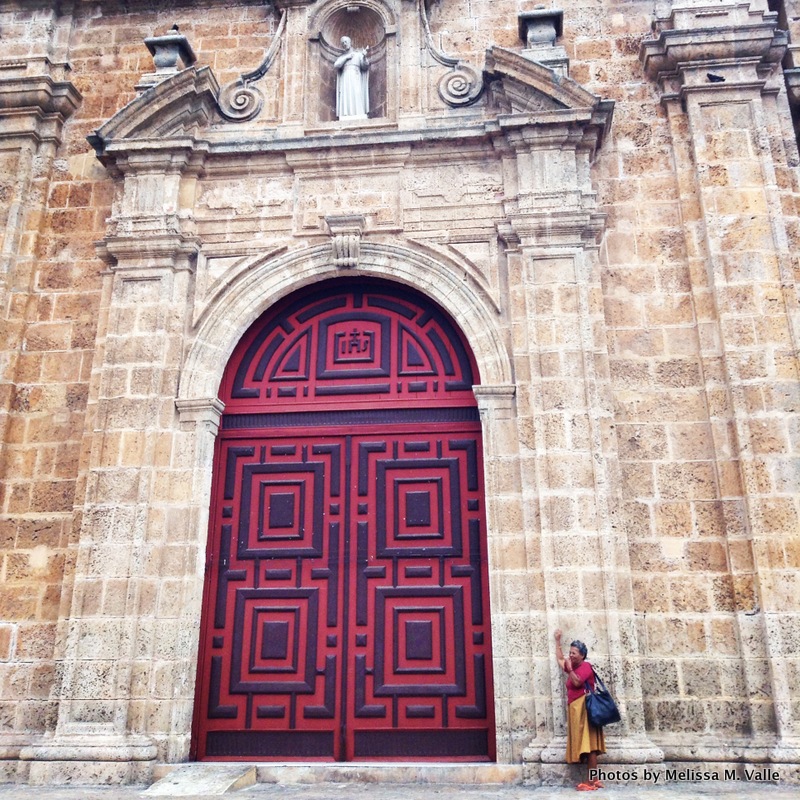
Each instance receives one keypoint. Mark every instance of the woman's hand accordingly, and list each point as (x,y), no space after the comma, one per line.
(558,636)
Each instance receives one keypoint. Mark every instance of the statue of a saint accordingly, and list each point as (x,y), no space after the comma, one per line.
(352,82)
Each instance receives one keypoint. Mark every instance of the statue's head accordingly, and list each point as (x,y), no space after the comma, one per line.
(346,43)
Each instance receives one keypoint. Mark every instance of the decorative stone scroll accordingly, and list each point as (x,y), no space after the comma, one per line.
(239,100)
(461,86)
(346,233)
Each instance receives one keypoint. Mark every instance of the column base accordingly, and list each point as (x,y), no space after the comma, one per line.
(620,750)
(99,759)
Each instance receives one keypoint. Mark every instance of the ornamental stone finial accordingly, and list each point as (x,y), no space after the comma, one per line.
(166,51)
(539,29)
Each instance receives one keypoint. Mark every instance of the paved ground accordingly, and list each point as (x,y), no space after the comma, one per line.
(350,791)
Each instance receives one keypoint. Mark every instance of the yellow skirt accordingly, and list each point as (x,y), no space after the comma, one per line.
(582,738)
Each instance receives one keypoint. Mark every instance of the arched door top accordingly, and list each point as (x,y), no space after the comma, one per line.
(350,344)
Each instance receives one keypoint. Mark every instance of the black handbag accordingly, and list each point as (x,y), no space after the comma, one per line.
(600,706)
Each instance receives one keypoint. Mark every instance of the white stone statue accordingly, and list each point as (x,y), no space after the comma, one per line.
(352,82)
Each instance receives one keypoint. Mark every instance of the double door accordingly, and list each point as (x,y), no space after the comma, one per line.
(346,606)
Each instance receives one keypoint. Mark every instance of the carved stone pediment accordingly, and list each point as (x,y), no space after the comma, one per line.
(522,87)
(178,106)
(531,86)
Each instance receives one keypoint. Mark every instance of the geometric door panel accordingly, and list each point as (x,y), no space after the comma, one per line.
(346,601)
(348,609)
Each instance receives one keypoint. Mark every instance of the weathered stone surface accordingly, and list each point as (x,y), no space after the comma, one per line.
(629,292)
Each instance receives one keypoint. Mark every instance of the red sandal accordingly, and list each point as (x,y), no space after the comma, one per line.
(585,787)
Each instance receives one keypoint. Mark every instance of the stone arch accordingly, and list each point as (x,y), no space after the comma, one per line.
(260,283)
(238,305)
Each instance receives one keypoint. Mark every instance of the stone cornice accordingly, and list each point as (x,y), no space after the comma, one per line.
(724,46)
(35,98)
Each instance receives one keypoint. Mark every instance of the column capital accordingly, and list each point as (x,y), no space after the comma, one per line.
(720,47)
(202,411)
(542,228)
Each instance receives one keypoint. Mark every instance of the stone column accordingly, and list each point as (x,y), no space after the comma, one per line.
(717,69)
(569,454)
(124,641)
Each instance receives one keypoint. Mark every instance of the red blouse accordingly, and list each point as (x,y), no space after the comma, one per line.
(585,673)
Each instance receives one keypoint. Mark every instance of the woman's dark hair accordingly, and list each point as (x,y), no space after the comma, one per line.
(580,647)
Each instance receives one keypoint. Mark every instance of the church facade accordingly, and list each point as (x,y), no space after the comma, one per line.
(351,348)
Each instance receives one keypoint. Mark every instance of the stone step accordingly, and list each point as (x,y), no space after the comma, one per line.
(191,780)
(352,772)
(390,772)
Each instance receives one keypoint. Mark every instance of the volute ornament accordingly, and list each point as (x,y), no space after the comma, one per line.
(461,86)
(239,100)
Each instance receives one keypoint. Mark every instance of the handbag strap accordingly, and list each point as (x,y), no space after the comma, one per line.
(597,680)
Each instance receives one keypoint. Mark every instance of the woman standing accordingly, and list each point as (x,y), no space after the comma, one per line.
(584,741)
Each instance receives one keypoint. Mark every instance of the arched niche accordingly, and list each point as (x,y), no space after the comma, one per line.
(368,24)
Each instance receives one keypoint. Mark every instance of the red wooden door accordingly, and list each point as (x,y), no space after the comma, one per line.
(346,606)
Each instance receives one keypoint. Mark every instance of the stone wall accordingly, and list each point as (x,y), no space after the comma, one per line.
(654,431)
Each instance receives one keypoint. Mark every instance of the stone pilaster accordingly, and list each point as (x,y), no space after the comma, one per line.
(124,640)
(36,99)
(569,463)
(510,584)
(295,60)
(717,68)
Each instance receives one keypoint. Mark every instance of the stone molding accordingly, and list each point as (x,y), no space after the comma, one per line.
(90,746)
(203,411)
(619,750)
(500,390)
(36,98)
(720,47)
